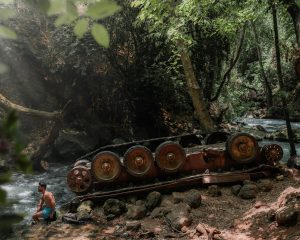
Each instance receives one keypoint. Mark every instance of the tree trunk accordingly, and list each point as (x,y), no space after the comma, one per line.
(56,117)
(267,86)
(294,11)
(8,105)
(293,153)
(195,91)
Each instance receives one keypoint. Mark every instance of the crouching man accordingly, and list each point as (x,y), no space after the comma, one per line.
(46,207)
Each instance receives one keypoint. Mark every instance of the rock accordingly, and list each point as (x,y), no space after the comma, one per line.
(236,189)
(179,218)
(132,225)
(85,206)
(160,212)
(114,207)
(70,144)
(287,216)
(153,200)
(271,215)
(74,205)
(214,191)
(178,197)
(193,198)
(265,185)
(131,199)
(84,216)
(139,202)
(248,191)
(280,178)
(136,212)
(110,217)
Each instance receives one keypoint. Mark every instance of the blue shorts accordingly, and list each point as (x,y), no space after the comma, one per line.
(46,212)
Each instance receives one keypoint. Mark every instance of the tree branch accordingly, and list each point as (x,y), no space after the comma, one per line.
(232,64)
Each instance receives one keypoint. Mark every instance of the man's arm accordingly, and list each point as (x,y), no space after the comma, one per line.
(40,205)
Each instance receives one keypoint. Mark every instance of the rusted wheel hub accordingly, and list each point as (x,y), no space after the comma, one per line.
(242,147)
(138,160)
(79,179)
(106,166)
(170,156)
(272,153)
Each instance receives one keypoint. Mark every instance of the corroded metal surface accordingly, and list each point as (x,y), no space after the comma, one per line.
(79,179)
(106,166)
(138,160)
(272,153)
(170,156)
(242,147)
(215,163)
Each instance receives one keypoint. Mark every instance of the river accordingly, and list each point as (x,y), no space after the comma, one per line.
(22,190)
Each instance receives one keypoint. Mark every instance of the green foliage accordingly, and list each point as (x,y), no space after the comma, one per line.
(81,27)
(102,9)
(100,34)
(6,33)
(69,12)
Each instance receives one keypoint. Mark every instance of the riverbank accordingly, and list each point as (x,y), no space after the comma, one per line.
(219,216)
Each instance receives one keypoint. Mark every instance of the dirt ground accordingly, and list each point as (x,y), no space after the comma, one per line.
(225,217)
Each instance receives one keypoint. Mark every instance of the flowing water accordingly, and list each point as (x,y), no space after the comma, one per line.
(23,193)
(23,188)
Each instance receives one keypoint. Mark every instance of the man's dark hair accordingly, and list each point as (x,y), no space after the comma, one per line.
(42,184)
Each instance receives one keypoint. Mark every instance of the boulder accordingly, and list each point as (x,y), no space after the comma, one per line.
(114,207)
(179,217)
(265,185)
(248,191)
(136,212)
(236,189)
(287,215)
(85,206)
(153,200)
(193,198)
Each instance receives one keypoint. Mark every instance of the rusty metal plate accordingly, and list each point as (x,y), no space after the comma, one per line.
(242,147)
(138,160)
(225,178)
(79,179)
(272,153)
(170,156)
(106,166)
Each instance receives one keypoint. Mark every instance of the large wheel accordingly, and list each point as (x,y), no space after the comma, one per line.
(272,153)
(170,156)
(242,147)
(138,160)
(106,166)
(79,179)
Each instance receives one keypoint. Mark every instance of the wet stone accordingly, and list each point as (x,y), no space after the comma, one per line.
(214,191)
(236,189)
(153,200)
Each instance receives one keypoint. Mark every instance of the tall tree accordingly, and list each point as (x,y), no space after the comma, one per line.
(293,152)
